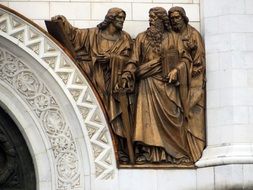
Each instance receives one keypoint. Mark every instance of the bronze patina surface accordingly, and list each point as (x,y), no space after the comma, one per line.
(153,90)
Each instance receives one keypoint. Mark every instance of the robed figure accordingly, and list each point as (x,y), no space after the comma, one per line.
(162,98)
(194,45)
(102,52)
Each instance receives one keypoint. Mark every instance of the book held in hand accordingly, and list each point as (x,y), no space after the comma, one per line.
(170,58)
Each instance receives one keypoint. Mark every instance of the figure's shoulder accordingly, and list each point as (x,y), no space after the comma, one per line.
(94,29)
(141,35)
(126,34)
(195,34)
(193,30)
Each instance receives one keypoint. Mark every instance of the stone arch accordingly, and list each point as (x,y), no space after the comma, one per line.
(17,169)
(54,107)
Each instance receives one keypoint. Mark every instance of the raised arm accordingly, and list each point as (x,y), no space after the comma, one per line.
(78,37)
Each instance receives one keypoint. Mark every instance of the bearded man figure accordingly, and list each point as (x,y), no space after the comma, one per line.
(194,45)
(159,132)
(102,52)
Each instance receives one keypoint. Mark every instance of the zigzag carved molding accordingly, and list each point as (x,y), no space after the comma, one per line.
(41,47)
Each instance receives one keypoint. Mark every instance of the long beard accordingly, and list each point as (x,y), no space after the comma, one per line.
(177,27)
(155,36)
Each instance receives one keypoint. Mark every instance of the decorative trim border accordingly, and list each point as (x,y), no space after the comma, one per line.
(36,43)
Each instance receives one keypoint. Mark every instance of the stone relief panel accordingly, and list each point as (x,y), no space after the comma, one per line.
(27,85)
(44,105)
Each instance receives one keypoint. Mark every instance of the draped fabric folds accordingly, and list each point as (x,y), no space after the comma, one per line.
(89,45)
(161,106)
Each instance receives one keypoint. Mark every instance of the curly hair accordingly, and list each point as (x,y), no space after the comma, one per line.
(110,17)
(181,12)
(155,33)
(161,13)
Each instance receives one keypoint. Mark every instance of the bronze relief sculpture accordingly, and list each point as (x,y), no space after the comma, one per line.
(101,52)
(194,45)
(153,89)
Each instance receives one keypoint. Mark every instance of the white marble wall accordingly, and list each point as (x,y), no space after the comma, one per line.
(228,31)
(88,13)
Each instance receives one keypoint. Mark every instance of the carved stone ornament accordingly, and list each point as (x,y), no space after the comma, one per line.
(118,79)
(43,104)
(16,74)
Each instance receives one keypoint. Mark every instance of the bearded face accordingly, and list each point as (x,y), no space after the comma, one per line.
(155,31)
(154,21)
(177,21)
(119,21)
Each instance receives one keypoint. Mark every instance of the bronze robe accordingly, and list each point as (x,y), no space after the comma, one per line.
(194,45)
(161,106)
(89,45)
